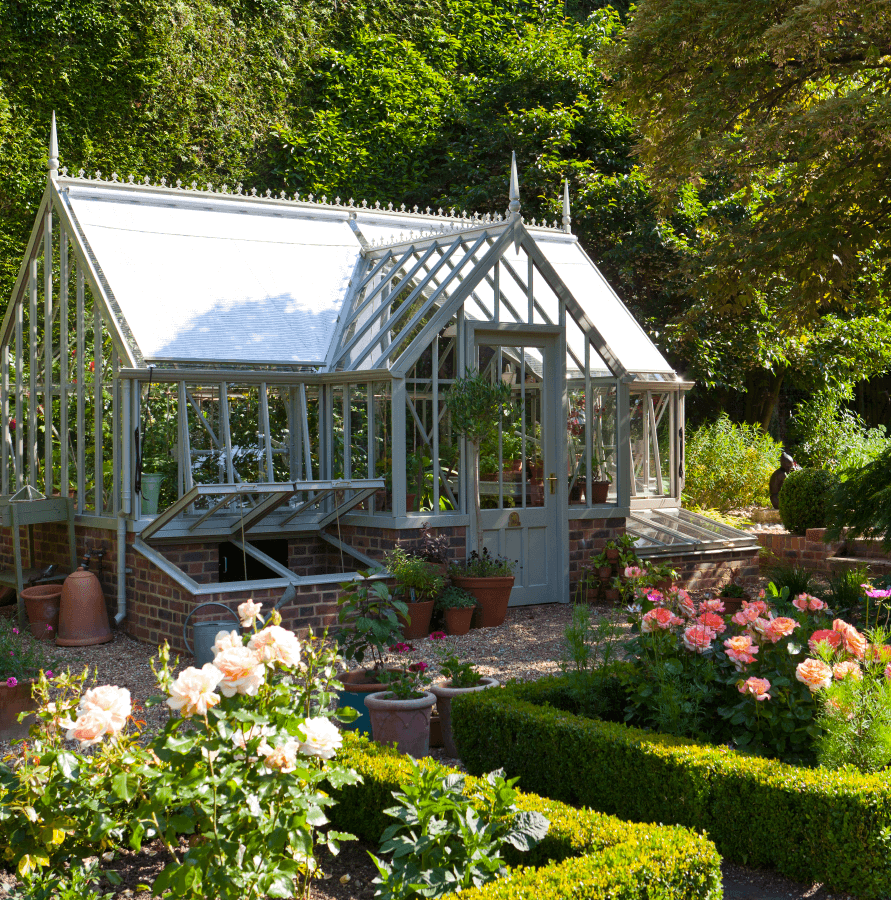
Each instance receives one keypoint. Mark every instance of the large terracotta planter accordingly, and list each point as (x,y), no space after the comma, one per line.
(457,619)
(405,723)
(732,605)
(599,491)
(444,695)
(42,602)
(357,685)
(83,618)
(418,623)
(492,594)
(15,700)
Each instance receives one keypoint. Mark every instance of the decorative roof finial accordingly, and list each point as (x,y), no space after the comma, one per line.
(52,163)
(514,205)
(567,221)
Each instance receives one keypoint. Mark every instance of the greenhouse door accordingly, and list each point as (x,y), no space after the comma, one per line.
(520,491)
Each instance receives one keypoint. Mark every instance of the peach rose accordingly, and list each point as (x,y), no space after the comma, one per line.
(323,738)
(756,687)
(242,671)
(225,640)
(807,603)
(843,669)
(88,729)
(852,640)
(888,671)
(193,691)
(713,606)
(111,701)
(282,759)
(241,739)
(275,644)
(713,621)
(824,636)
(698,638)
(779,628)
(660,618)
(814,673)
(249,612)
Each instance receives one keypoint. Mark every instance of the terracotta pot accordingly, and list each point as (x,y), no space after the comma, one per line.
(444,696)
(410,500)
(599,491)
(732,605)
(357,685)
(405,723)
(42,603)
(612,553)
(83,618)
(15,700)
(605,572)
(418,623)
(613,595)
(457,619)
(591,596)
(492,594)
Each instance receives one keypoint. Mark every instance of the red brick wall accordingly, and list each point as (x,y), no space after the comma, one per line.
(808,551)
(714,569)
(587,538)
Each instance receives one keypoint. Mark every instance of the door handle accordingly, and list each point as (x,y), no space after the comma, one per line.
(552,478)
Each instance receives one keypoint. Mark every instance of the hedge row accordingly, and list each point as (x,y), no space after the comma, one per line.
(584,855)
(810,824)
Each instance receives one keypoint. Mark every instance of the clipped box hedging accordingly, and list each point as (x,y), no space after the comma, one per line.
(585,854)
(810,824)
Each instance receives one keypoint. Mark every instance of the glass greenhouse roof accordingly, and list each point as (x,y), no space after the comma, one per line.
(201,278)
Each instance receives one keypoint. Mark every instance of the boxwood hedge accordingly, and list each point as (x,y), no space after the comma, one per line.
(810,824)
(585,854)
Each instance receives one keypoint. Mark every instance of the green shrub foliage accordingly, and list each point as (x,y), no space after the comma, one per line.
(803,498)
(810,824)
(862,503)
(610,857)
(729,465)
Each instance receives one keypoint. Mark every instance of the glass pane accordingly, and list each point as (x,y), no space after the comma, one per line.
(382,446)
(651,442)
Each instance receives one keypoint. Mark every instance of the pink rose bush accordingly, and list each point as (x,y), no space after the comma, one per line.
(248,759)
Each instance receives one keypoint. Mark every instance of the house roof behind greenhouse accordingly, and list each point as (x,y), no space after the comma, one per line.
(204,277)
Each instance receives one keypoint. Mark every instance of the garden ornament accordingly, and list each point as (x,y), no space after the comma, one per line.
(787,464)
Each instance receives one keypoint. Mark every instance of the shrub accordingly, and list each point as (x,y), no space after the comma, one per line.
(810,824)
(862,503)
(729,465)
(803,499)
(797,579)
(611,857)
(828,436)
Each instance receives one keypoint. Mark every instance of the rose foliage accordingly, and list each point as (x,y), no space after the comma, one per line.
(244,767)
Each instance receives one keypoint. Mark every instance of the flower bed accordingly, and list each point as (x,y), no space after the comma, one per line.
(610,857)
(809,824)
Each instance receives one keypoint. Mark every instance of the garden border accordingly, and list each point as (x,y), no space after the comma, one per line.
(812,825)
(585,853)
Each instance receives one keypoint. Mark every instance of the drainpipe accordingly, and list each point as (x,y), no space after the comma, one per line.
(124,510)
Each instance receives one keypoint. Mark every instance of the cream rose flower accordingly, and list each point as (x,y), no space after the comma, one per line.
(243,672)
(276,644)
(814,673)
(843,669)
(226,640)
(323,738)
(282,759)
(89,728)
(249,612)
(111,701)
(241,739)
(193,691)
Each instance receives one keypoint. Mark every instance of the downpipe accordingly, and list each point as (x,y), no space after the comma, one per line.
(126,503)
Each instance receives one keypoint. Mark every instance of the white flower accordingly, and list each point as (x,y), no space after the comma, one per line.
(248,612)
(241,739)
(225,640)
(323,738)
(89,728)
(242,671)
(193,691)
(282,759)
(276,644)
(109,700)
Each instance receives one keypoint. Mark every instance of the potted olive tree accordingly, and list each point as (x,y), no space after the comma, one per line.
(368,616)
(474,404)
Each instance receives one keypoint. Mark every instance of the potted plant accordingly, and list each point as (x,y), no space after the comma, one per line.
(400,714)
(368,616)
(432,547)
(600,481)
(457,607)
(20,663)
(490,580)
(611,551)
(461,678)
(732,596)
(42,604)
(418,583)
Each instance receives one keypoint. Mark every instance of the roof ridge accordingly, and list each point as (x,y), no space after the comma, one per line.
(450,214)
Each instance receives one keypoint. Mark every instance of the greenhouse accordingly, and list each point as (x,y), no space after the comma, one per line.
(241,391)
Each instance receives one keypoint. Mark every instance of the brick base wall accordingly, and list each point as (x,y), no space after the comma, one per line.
(808,551)
(712,569)
(587,538)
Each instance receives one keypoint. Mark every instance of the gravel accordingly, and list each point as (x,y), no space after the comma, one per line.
(527,646)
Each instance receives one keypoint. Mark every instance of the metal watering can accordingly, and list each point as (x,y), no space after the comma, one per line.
(204,634)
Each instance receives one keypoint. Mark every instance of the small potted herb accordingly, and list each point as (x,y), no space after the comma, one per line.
(418,583)
(600,481)
(457,607)
(490,580)
(732,596)
(21,660)
(461,678)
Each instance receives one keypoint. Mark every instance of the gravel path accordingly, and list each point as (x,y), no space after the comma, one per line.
(527,646)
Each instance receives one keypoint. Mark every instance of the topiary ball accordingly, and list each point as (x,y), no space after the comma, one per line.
(803,499)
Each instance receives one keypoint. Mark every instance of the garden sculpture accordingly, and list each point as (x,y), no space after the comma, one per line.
(778,477)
